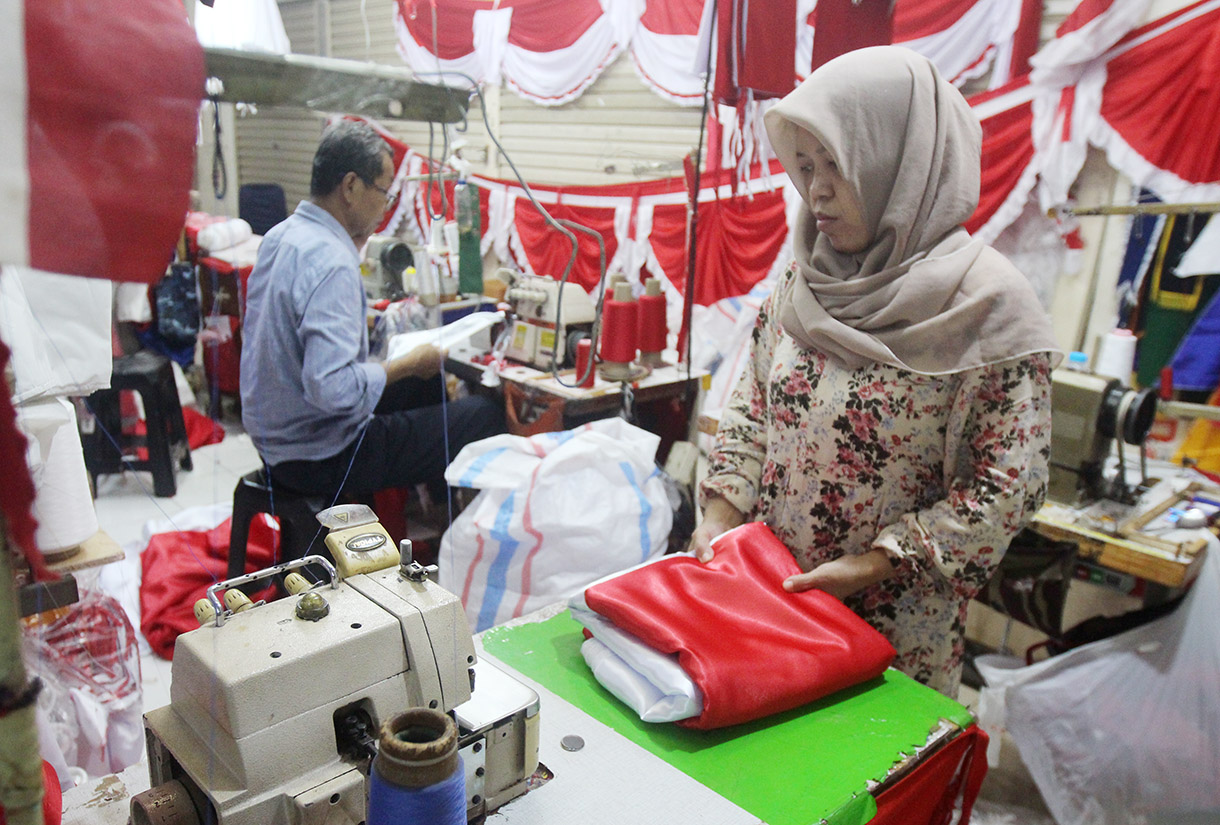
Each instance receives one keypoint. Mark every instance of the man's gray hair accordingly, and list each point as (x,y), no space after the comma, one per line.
(347,146)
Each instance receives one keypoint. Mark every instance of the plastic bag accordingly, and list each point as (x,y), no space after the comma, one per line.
(1127,729)
(89,663)
(556,511)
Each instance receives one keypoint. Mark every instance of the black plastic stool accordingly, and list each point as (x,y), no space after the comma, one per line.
(296,513)
(152,376)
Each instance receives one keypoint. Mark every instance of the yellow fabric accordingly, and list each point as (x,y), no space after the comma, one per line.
(1202,442)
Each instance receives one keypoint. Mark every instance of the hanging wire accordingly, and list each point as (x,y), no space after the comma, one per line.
(220,175)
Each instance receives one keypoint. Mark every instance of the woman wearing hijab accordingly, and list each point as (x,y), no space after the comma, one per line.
(893,425)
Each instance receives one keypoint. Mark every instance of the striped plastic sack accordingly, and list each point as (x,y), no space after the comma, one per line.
(555,512)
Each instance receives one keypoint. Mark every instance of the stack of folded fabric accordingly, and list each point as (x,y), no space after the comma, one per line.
(716,644)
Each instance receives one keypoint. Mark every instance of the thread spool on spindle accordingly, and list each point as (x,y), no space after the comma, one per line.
(620,324)
(652,330)
(585,374)
(417,774)
(1116,355)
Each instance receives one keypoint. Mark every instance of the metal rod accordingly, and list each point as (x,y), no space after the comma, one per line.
(20,763)
(1141,209)
(1185,409)
(237,581)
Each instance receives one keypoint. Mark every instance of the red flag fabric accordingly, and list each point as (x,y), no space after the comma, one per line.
(842,26)
(110,114)
(731,616)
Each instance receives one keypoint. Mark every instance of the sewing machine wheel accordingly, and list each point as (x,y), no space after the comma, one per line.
(166,804)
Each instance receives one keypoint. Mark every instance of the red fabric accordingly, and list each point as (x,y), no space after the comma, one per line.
(390,505)
(672,16)
(914,19)
(739,240)
(17,490)
(194,222)
(178,567)
(222,358)
(731,617)
(842,26)
(739,237)
(223,272)
(1025,39)
(549,252)
(1008,149)
(537,25)
(114,92)
(928,794)
(755,44)
(454,28)
(52,798)
(1085,12)
(201,430)
(544,25)
(1159,89)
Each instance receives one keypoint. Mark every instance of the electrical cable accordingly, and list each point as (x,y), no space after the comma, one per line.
(220,175)
(556,224)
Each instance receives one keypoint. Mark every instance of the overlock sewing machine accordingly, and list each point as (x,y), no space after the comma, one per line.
(275,708)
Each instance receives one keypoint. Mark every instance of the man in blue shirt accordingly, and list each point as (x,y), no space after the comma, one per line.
(316,408)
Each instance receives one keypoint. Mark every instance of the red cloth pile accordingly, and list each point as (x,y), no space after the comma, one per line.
(752,648)
(178,567)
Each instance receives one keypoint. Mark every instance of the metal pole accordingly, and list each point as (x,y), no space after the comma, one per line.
(20,762)
(1143,209)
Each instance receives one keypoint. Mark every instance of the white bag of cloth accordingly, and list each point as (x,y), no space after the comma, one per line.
(1127,729)
(556,511)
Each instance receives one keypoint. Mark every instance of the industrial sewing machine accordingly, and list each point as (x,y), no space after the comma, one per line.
(1091,413)
(275,708)
(547,321)
(384,268)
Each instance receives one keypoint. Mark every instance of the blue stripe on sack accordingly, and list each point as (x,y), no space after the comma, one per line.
(497,574)
(478,465)
(561,436)
(645,507)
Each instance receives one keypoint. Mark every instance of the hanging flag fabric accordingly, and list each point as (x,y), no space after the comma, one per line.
(755,48)
(99,112)
(841,26)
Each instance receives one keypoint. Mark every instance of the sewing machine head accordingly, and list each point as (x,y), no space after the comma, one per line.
(547,320)
(1090,413)
(275,708)
(384,268)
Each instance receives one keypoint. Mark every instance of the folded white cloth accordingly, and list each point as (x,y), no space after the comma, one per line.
(224,234)
(651,683)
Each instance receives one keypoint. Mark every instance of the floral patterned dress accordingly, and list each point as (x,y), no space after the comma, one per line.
(938,471)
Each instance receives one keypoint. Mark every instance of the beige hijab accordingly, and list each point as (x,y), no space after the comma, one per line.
(923,296)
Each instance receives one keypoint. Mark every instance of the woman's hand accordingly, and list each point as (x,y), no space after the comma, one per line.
(844,576)
(718,516)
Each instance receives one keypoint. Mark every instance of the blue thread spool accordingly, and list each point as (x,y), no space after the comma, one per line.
(417,775)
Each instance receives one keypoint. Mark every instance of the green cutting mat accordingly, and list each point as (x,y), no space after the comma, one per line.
(794,768)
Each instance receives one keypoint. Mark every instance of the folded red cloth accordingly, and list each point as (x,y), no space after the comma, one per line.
(752,648)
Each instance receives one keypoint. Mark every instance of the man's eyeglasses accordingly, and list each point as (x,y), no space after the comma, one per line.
(390,200)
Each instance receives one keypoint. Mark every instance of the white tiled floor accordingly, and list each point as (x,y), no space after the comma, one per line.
(125,506)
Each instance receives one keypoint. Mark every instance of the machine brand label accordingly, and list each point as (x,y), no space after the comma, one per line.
(365,542)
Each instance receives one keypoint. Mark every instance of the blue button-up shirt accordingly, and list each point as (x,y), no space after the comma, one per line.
(306,388)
